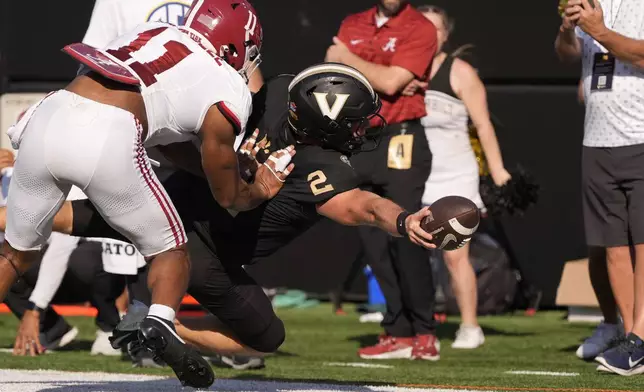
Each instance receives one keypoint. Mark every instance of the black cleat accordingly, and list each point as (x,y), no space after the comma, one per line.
(160,338)
(127,331)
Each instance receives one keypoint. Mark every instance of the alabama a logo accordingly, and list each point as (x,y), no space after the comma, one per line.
(391,45)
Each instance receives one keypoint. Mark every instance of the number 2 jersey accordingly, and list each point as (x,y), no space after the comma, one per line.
(319,175)
(179,81)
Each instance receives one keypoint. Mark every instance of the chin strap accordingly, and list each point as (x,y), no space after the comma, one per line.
(249,67)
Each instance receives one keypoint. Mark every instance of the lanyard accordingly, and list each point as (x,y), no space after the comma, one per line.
(613,14)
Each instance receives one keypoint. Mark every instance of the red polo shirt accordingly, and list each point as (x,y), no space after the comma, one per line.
(407,40)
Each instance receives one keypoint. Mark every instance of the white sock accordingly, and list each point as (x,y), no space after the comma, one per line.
(163,312)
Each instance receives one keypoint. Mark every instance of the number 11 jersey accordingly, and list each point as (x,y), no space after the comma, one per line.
(180,79)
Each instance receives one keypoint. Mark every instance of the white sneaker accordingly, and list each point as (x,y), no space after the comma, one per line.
(63,341)
(468,337)
(102,345)
(600,340)
(374,317)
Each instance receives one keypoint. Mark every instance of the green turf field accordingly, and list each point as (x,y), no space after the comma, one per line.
(316,338)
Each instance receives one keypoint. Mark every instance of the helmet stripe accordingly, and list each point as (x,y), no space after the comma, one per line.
(195,10)
(332,67)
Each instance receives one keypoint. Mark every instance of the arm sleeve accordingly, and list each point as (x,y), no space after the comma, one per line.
(416,51)
(103,25)
(53,268)
(320,180)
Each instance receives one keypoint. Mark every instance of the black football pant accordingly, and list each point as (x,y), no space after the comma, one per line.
(401,268)
(218,282)
(85,280)
(229,293)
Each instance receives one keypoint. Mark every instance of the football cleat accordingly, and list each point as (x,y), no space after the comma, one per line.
(127,330)
(159,337)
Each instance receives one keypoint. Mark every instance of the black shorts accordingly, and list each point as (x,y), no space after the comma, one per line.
(613,195)
(220,284)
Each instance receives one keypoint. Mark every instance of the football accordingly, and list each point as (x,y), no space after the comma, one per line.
(453,221)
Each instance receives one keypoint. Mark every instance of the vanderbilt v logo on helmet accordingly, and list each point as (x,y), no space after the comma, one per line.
(335,105)
(323,103)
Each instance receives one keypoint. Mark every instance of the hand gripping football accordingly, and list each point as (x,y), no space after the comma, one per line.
(453,221)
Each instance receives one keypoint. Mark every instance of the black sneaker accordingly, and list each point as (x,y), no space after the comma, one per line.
(160,337)
(58,340)
(627,358)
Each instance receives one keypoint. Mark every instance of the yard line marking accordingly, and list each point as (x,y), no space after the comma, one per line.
(541,373)
(463,388)
(358,364)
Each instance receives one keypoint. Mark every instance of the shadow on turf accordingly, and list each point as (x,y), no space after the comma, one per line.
(110,386)
(443,331)
(86,345)
(569,349)
(173,385)
(76,345)
(280,353)
(260,377)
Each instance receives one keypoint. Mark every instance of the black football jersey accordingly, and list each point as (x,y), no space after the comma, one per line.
(319,174)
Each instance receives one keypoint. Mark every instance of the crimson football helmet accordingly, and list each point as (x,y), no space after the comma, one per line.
(231,29)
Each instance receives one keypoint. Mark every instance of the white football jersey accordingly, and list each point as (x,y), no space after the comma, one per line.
(180,81)
(112,18)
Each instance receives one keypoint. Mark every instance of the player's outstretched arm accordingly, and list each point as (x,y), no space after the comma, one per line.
(357,207)
(63,220)
(219,162)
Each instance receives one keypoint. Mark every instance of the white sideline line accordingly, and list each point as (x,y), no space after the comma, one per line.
(55,381)
(541,373)
(358,364)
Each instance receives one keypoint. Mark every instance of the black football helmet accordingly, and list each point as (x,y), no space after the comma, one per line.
(334,104)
